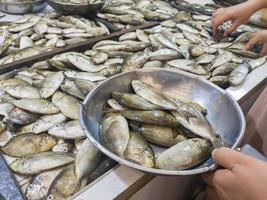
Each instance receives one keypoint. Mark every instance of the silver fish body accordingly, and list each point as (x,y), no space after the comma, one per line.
(185,154)
(67,130)
(152,95)
(39,106)
(239,74)
(87,159)
(115,134)
(133,101)
(40,162)
(139,151)
(67,104)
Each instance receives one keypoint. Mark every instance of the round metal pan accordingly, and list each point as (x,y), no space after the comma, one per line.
(224,113)
(22,7)
(82,9)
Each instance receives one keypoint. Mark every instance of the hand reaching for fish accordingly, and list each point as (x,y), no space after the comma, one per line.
(258,40)
(244,177)
(236,14)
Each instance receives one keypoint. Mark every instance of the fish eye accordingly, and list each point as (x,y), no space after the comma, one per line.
(36,124)
(65,149)
(49,138)
(57,125)
(50,197)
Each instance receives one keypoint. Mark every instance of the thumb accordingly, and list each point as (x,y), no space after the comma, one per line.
(228,158)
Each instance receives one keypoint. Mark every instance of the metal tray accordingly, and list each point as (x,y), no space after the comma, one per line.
(22,7)
(224,113)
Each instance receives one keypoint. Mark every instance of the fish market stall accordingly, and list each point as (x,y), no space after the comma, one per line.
(76,69)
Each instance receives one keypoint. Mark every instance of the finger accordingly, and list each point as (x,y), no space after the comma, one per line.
(252,42)
(264,50)
(217,21)
(231,29)
(228,158)
(211,194)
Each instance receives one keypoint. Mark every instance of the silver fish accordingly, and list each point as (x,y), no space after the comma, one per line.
(135,61)
(139,151)
(155,117)
(160,135)
(239,74)
(152,95)
(67,104)
(40,162)
(220,80)
(87,159)
(142,36)
(224,69)
(84,85)
(70,88)
(128,36)
(115,134)
(83,62)
(184,27)
(65,184)
(67,130)
(153,64)
(50,84)
(221,59)
(93,77)
(40,106)
(133,101)
(194,121)
(40,184)
(63,146)
(20,91)
(46,122)
(164,55)
(185,154)
(205,59)
(21,117)
(99,58)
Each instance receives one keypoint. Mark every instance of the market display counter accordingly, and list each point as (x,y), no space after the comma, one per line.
(122,182)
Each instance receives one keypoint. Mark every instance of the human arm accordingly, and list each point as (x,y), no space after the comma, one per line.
(238,14)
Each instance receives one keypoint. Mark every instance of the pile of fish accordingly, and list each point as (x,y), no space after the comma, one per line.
(129,12)
(182,44)
(258,19)
(40,133)
(34,34)
(148,116)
